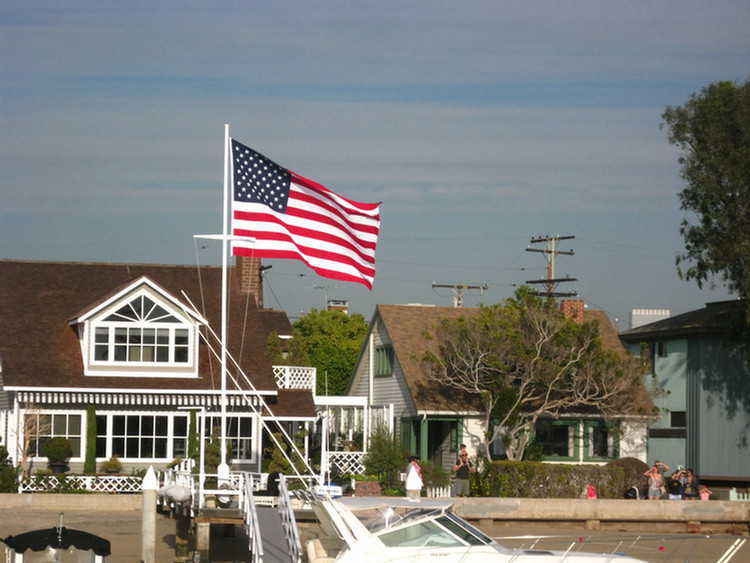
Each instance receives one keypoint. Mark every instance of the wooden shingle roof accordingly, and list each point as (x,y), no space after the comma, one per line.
(407,325)
(39,348)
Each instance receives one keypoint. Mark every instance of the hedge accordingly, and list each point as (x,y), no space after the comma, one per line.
(531,479)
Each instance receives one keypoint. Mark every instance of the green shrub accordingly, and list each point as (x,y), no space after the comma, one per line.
(8,473)
(112,465)
(529,479)
(386,458)
(58,450)
(433,475)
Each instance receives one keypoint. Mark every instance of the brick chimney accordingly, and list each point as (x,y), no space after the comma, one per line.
(573,309)
(251,279)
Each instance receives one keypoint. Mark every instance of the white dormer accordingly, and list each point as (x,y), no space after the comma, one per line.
(140,331)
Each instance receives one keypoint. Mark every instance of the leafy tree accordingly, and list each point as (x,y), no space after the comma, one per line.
(293,354)
(281,454)
(521,360)
(712,131)
(385,458)
(333,341)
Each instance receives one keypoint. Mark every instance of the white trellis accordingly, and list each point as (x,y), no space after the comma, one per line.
(295,377)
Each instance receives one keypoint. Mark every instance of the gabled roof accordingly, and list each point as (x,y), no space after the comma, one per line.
(143,281)
(406,326)
(719,318)
(40,349)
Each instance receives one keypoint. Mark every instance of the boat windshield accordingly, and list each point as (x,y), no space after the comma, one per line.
(442,530)
(382,518)
(464,530)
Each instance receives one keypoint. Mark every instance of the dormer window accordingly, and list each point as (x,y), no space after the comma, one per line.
(141,331)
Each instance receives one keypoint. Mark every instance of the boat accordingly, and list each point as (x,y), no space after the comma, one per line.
(378,529)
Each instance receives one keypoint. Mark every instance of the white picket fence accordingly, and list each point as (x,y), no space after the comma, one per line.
(438,492)
(734,495)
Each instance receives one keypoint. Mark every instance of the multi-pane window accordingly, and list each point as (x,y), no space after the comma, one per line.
(141,332)
(239,434)
(601,440)
(556,438)
(40,427)
(384,360)
(141,436)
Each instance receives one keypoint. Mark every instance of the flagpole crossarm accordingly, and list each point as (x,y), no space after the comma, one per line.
(226,238)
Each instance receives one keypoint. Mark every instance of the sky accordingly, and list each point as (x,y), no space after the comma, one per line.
(479,126)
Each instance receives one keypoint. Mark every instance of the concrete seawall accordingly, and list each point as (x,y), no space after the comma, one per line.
(674,515)
(691,516)
(94,503)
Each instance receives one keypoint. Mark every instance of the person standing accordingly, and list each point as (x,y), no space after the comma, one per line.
(414,481)
(691,486)
(674,486)
(463,468)
(655,480)
(590,491)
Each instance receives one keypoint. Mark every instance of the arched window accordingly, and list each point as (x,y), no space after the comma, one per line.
(142,332)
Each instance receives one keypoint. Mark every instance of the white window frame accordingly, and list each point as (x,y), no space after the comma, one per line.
(133,366)
(170,436)
(38,451)
(214,420)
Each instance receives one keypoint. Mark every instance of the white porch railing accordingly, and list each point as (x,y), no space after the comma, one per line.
(89,483)
(295,377)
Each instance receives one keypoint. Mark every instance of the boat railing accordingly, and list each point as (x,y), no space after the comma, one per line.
(675,548)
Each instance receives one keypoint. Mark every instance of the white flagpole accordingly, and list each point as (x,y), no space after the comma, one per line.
(223,469)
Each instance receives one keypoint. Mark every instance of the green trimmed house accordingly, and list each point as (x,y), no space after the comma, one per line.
(433,421)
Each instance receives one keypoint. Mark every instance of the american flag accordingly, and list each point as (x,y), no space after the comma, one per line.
(293,217)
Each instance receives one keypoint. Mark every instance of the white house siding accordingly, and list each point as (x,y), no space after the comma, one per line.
(473,432)
(633,441)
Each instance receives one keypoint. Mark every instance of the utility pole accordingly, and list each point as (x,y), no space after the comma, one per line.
(326,288)
(550,251)
(458,291)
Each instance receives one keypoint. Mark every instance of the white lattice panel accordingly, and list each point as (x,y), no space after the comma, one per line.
(347,463)
(295,377)
(91,483)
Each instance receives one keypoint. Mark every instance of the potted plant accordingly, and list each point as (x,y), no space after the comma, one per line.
(58,451)
(112,465)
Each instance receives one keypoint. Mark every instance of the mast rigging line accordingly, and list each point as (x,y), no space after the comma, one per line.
(292,444)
